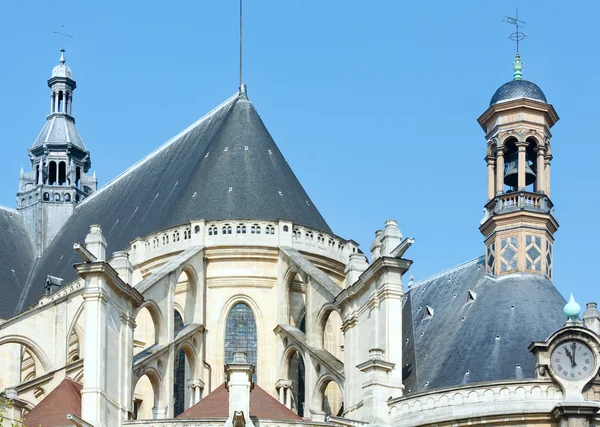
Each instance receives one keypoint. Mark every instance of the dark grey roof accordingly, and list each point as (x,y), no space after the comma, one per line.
(458,344)
(59,129)
(225,166)
(17,256)
(518,89)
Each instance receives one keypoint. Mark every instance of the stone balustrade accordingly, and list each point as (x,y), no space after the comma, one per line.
(519,200)
(475,401)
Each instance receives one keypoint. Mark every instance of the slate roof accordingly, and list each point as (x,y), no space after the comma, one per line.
(518,89)
(17,257)
(52,411)
(485,339)
(262,406)
(205,172)
(59,129)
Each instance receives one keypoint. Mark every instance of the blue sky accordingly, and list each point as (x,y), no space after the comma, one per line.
(374,104)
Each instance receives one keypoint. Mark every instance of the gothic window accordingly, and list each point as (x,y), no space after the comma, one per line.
(240,334)
(179,372)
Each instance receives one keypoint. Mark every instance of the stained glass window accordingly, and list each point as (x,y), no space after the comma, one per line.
(240,334)
(179,374)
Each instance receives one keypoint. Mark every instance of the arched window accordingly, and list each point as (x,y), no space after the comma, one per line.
(56,197)
(62,173)
(179,371)
(286,228)
(67,197)
(197,229)
(52,173)
(240,334)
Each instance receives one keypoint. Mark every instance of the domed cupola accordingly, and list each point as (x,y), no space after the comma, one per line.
(518,88)
(62,69)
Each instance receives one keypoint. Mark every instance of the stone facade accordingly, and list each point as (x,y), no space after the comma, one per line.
(151,329)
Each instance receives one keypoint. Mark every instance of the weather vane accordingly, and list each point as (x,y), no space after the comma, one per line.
(62,36)
(518,35)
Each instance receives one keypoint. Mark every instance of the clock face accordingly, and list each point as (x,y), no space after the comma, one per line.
(573,360)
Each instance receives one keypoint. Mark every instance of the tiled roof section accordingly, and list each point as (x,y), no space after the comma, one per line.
(516,89)
(17,257)
(225,166)
(470,340)
(52,411)
(262,406)
(59,129)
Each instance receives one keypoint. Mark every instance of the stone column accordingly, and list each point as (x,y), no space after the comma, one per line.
(281,395)
(288,397)
(500,170)
(521,182)
(375,390)
(108,340)
(239,384)
(540,185)
(491,162)
(547,160)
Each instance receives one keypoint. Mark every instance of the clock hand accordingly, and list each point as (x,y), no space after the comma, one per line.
(573,347)
(569,355)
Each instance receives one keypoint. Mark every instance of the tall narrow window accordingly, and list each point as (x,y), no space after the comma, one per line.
(78,177)
(179,372)
(62,173)
(60,102)
(52,173)
(240,334)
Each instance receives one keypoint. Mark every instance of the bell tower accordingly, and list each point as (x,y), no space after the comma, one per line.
(58,179)
(519,224)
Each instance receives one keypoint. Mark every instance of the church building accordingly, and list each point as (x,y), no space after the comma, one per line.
(202,287)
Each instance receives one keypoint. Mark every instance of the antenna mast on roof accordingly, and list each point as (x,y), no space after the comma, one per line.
(518,35)
(242,88)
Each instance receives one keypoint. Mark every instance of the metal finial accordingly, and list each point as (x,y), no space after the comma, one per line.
(517,68)
(62,42)
(518,35)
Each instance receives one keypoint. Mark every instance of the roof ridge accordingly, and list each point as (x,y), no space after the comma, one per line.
(161,148)
(450,270)
(11,210)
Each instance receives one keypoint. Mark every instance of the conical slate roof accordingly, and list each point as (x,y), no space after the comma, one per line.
(225,166)
(59,129)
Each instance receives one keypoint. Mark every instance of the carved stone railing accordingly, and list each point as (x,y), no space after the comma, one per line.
(477,400)
(518,201)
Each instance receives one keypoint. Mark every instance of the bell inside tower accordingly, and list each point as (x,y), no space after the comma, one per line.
(516,153)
